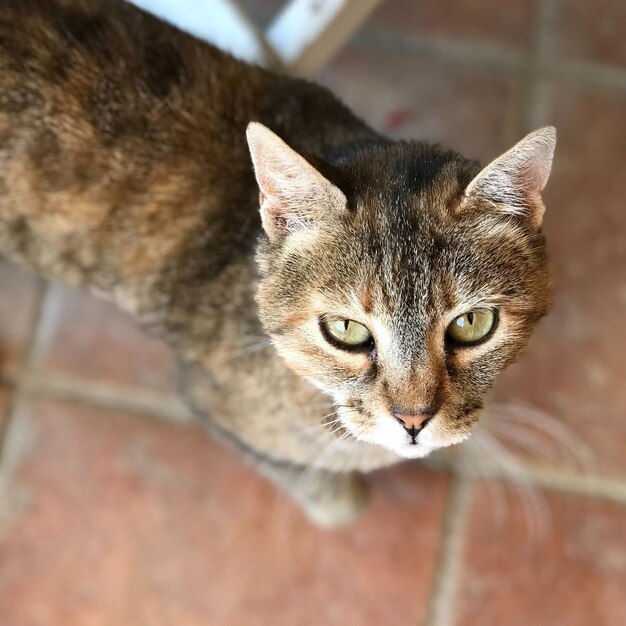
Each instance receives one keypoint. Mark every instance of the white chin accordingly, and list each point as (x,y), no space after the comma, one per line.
(412,451)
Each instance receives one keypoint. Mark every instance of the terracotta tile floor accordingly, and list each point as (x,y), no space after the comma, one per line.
(571,572)
(111,518)
(91,340)
(114,516)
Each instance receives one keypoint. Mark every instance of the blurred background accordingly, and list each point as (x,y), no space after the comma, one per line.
(116,509)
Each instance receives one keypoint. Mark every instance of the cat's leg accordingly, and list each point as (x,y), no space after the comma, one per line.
(329,499)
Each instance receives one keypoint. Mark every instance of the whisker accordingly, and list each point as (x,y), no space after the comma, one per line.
(526,439)
(534,507)
(569,443)
(474,469)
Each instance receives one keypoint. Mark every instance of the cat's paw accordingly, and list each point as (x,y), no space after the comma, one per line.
(340,504)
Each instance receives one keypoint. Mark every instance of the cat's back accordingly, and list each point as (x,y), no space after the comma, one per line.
(88,86)
(122,140)
(121,71)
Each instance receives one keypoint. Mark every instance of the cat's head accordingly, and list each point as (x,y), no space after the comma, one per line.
(402,279)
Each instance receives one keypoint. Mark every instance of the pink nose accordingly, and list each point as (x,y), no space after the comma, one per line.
(413,422)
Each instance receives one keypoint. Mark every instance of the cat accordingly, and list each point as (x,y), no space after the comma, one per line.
(337,301)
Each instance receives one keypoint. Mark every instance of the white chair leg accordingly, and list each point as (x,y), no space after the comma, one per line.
(307,33)
(220,22)
(300,40)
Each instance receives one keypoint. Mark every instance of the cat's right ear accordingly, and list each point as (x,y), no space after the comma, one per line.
(293,194)
(512,184)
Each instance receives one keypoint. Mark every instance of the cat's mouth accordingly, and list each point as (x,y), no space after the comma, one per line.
(385,431)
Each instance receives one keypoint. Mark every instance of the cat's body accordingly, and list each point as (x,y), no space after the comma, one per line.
(124,169)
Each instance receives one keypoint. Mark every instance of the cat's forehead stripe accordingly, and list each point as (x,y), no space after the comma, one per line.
(367,297)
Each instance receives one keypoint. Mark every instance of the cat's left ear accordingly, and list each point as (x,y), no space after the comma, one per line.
(294,195)
(514,181)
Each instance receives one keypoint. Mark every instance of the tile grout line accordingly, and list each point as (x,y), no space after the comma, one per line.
(50,310)
(586,73)
(536,99)
(168,408)
(494,57)
(442,604)
(559,481)
(18,390)
(466,52)
(30,381)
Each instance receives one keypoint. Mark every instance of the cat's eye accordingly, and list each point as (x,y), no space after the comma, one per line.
(346,333)
(472,327)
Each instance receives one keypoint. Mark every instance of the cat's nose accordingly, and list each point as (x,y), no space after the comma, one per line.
(414,420)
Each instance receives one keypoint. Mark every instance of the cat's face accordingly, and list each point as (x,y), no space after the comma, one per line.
(406,291)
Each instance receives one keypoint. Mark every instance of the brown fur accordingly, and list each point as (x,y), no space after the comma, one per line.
(124,168)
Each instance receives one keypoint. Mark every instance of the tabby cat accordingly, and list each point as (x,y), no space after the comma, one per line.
(356,319)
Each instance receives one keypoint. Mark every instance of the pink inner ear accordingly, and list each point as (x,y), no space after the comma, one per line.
(272,218)
(269,197)
(519,174)
(528,180)
(535,161)
(293,193)
(535,175)
(267,186)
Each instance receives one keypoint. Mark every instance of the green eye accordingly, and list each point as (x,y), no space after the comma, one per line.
(472,326)
(346,332)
